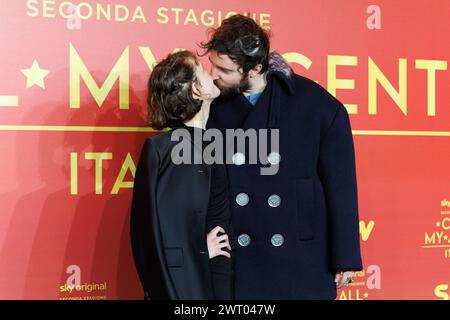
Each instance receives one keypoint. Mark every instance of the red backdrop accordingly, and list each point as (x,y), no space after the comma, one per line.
(72,110)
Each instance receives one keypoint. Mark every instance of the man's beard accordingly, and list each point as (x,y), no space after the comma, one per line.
(230,92)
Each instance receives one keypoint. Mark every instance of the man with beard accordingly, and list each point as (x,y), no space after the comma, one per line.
(297,230)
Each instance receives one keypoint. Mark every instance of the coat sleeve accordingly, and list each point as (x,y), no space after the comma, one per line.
(219,215)
(146,239)
(336,169)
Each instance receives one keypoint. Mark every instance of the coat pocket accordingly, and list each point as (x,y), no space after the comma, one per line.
(304,189)
(174,257)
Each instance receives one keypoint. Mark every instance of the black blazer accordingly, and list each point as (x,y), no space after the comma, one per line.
(168,223)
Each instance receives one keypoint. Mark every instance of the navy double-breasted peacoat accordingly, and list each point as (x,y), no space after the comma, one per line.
(295,228)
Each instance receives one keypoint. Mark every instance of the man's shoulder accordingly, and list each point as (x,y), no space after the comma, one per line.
(309,87)
(316,95)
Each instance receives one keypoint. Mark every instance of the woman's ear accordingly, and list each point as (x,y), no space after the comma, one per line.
(195,91)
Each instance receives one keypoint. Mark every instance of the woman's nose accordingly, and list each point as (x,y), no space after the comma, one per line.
(214,73)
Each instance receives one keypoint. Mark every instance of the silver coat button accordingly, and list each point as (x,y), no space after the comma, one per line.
(242,199)
(238,158)
(274,158)
(274,200)
(244,239)
(277,240)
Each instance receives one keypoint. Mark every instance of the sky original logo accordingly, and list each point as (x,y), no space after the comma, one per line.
(439,238)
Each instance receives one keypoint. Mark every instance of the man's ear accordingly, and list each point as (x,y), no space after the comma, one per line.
(255,71)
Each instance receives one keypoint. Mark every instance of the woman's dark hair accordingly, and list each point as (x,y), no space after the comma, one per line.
(243,40)
(170,99)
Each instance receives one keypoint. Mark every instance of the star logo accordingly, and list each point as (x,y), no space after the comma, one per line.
(35,75)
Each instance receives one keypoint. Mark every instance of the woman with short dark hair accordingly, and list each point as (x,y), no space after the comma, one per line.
(180,220)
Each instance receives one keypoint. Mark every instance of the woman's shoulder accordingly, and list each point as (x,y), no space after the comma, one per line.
(161,141)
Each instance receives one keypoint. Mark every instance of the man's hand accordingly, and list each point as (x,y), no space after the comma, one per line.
(217,243)
(343,278)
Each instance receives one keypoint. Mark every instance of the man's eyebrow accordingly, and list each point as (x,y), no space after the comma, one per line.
(222,68)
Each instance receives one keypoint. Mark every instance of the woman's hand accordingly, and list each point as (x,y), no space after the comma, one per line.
(217,243)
